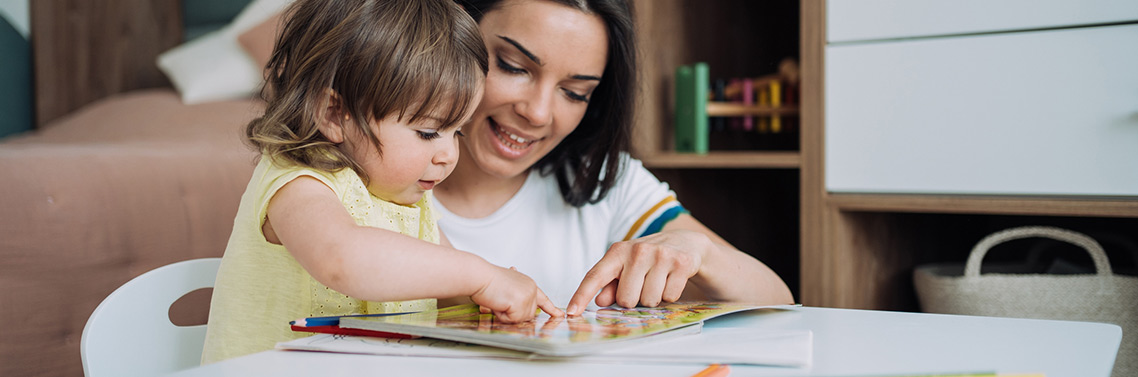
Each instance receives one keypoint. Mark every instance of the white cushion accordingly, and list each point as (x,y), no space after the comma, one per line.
(214,67)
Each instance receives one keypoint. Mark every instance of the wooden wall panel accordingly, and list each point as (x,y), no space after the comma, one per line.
(815,270)
(660,32)
(85,50)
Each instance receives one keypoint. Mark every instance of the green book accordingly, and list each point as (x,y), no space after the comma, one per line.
(691,108)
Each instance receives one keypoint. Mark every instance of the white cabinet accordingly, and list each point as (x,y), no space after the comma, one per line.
(1045,111)
(862,20)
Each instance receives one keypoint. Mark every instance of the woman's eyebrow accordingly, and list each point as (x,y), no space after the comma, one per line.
(537,60)
(523,50)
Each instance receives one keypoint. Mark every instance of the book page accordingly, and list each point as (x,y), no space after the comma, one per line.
(592,331)
(742,346)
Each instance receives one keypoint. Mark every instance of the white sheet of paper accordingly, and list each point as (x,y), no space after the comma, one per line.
(789,348)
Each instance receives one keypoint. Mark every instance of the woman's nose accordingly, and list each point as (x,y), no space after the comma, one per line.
(536,106)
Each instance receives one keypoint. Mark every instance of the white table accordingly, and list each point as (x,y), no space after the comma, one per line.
(846,343)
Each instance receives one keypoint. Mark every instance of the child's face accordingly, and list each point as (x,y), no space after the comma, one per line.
(416,156)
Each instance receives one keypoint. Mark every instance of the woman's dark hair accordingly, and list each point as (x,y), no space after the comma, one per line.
(587,163)
(379,58)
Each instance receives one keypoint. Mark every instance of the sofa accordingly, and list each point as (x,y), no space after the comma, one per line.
(134,162)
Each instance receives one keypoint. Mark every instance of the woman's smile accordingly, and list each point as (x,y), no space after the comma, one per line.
(512,139)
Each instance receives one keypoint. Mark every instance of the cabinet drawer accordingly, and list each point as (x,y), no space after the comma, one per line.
(860,20)
(1045,112)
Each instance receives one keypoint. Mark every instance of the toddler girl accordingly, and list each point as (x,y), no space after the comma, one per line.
(365,100)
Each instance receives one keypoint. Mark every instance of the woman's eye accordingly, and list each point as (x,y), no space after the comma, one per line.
(459,133)
(428,135)
(576,97)
(509,68)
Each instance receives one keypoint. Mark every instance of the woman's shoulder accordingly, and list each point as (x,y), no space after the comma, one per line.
(631,170)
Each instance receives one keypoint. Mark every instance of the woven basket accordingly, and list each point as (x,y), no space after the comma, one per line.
(1006,291)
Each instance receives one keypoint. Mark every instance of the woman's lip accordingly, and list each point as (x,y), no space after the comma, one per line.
(504,149)
(507,132)
(507,148)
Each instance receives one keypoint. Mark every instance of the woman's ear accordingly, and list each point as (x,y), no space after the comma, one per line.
(332,116)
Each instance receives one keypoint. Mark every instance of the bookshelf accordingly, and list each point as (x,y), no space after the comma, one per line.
(726,109)
(725,159)
(674,33)
(748,196)
(849,250)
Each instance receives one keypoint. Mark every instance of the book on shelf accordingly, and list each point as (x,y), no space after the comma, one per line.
(691,123)
(593,331)
(774,101)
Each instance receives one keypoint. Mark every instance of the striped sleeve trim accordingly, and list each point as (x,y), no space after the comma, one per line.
(655,218)
(664,218)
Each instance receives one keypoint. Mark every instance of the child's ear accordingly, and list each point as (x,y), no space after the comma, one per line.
(331,118)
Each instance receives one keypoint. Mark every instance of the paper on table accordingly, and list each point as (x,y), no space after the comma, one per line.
(789,348)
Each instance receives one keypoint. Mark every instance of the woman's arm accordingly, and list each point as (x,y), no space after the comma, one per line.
(729,274)
(379,265)
(657,268)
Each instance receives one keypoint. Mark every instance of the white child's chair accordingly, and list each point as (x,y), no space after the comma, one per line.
(130,333)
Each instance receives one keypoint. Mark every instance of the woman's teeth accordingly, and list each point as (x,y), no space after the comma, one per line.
(513,141)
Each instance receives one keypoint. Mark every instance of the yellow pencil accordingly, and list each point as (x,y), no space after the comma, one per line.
(714,370)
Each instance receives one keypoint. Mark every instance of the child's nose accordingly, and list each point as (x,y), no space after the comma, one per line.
(447,154)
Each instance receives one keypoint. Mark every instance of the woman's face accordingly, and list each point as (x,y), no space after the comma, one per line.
(545,61)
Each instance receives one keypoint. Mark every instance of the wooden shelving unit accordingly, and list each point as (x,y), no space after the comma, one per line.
(725,159)
(725,109)
(859,250)
(850,250)
(734,192)
(987,205)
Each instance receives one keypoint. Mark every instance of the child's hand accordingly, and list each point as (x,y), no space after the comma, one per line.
(513,297)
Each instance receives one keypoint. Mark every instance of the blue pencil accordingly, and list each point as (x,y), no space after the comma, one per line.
(335,320)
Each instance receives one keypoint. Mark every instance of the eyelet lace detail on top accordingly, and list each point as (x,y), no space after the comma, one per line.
(367,210)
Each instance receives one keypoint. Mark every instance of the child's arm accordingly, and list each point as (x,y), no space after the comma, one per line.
(379,265)
(450,301)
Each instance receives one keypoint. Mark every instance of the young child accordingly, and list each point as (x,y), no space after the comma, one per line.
(365,99)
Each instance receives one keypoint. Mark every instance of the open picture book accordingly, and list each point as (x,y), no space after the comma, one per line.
(592,331)
(713,345)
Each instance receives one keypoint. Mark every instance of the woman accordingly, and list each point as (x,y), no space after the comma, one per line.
(544,182)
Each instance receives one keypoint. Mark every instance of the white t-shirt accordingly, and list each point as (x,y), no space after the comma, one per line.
(555,243)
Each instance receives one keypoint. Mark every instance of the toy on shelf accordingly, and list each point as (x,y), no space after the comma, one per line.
(742,113)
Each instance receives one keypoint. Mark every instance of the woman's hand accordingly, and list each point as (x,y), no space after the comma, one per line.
(513,297)
(657,268)
(644,271)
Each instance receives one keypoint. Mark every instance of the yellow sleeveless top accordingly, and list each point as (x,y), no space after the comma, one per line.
(260,287)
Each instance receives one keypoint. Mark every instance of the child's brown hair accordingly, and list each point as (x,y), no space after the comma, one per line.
(379,58)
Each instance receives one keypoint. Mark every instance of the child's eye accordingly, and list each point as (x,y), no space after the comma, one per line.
(509,68)
(428,135)
(576,97)
(459,133)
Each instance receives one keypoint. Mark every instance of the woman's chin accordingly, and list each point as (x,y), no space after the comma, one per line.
(506,168)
